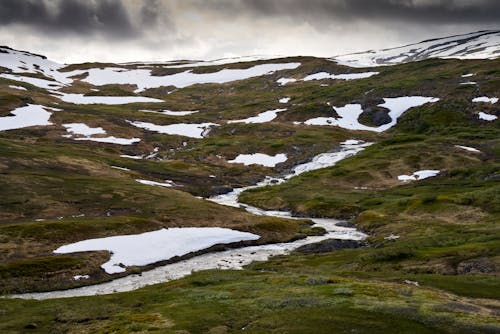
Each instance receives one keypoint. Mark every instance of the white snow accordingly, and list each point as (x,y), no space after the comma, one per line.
(349,114)
(88,132)
(150,247)
(348,76)
(172,113)
(17,87)
(485,99)
(42,83)
(167,183)
(121,168)
(111,140)
(478,45)
(469,83)
(83,129)
(467,148)
(415,283)
(284,81)
(468,75)
(418,175)
(83,99)
(135,157)
(230,259)
(24,62)
(487,117)
(79,277)
(144,80)
(284,100)
(222,61)
(263,117)
(31,115)
(193,130)
(392,237)
(259,159)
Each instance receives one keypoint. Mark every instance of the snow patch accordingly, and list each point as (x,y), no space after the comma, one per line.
(349,114)
(17,87)
(112,100)
(193,130)
(167,183)
(485,99)
(150,247)
(284,81)
(348,76)
(31,115)
(284,100)
(263,117)
(487,117)
(172,113)
(467,148)
(144,80)
(418,175)
(259,159)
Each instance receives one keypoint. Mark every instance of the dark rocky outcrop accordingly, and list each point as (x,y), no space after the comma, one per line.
(330,245)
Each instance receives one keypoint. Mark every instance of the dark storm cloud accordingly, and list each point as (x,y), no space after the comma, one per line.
(107,17)
(414,11)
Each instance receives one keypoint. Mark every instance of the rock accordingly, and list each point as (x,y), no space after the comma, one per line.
(31,326)
(221,190)
(475,266)
(375,116)
(330,245)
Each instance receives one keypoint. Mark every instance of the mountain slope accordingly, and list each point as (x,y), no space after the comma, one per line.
(478,45)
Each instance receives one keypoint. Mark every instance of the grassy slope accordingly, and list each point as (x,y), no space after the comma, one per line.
(447,225)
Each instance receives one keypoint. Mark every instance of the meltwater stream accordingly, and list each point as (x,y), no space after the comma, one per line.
(232,258)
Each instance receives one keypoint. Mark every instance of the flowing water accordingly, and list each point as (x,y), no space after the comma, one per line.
(232,258)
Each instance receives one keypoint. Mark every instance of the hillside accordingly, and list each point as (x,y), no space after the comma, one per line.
(363,198)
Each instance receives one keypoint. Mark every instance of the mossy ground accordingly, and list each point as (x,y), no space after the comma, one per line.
(447,226)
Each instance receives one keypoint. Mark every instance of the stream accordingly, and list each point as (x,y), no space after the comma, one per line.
(233,258)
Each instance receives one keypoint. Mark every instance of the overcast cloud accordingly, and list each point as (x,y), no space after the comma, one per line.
(126,30)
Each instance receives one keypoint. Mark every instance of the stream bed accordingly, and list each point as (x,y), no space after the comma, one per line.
(235,258)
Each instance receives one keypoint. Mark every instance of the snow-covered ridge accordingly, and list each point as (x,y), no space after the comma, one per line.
(477,45)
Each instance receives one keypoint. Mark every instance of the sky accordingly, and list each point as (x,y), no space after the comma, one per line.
(71,31)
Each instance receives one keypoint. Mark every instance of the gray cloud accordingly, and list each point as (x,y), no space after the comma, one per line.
(105,17)
(411,11)
(127,30)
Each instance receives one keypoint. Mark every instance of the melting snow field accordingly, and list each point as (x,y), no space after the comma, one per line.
(234,258)
(144,80)
(325,75)
(150,247)
(349,114)
(172,113)
(418,175)
(17,87)
(112,100)
(31,115)
(486,99)
(259,159)
(111,140)
(167,183)
(284,81)
(467,148)
(349,76)
(487,117)
(85,130)
(263,117)
(41,83)
(193,130)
